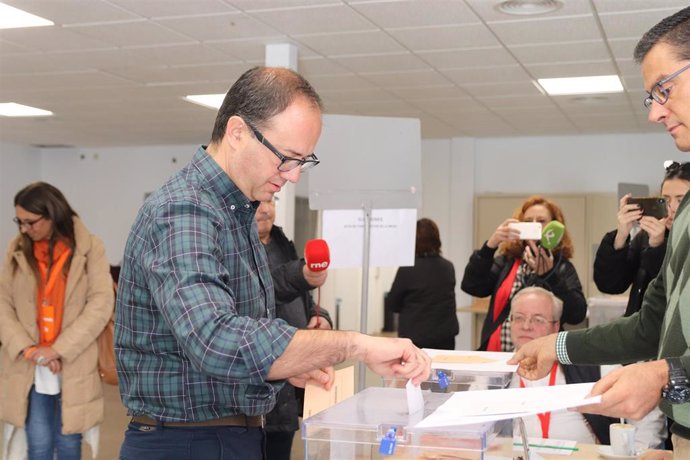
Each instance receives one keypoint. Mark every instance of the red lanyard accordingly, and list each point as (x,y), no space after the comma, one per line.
(545,418)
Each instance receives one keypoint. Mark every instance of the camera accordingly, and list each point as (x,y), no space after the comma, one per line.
(528,230)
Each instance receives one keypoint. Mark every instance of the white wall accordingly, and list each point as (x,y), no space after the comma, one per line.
(107,186)
(563,164)
(19,166)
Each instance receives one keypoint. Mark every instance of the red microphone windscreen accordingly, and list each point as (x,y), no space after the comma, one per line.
(316,255)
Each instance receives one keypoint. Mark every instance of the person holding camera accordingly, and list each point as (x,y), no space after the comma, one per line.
(520,263)
(623,260)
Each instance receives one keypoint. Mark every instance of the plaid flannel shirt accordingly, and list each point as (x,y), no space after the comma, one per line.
(194,334)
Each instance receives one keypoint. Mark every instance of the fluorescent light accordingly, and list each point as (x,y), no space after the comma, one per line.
(12,18)
(581,85)
(212,101)
(11,109)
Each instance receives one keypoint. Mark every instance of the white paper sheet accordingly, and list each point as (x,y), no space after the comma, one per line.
(392,237)
(468,407)
(415,400)
(471,361)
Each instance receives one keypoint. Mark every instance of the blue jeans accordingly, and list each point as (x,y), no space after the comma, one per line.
(43,429)
(197,443)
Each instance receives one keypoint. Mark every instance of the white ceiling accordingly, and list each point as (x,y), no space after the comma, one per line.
(115,71)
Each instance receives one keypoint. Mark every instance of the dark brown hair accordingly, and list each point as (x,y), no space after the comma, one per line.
(428,241)
(515,248)
(261,93)
(673,30)
(677,171)
(47,201)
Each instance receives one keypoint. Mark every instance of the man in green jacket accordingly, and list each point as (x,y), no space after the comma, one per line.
(660,331)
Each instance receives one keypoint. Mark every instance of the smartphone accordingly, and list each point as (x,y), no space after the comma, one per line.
(653,206)
(528,230)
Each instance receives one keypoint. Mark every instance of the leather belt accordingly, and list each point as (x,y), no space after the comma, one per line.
(232,420)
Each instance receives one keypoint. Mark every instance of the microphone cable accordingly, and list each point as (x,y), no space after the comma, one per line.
(318,307)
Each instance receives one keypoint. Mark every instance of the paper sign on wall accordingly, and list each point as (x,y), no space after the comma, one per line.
(392,237)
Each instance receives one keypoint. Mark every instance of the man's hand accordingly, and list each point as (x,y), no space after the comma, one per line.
(536,357)
(631,391)
(321,377)
(315,279)
(322,322)
(393,357)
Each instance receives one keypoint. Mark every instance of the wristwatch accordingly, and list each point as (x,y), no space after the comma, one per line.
(677,390)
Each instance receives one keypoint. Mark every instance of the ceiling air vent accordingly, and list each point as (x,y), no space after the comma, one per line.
(528,7)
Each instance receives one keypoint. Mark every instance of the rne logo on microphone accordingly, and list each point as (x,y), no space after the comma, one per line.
(317,265)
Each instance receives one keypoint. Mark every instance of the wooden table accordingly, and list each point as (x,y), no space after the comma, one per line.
(479,309)
(584,452)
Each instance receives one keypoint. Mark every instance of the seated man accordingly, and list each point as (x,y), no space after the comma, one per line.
(534,310)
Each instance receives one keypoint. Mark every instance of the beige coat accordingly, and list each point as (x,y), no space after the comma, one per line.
(89,302)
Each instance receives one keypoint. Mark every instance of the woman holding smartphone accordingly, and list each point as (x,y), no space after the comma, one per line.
(622,261)
(505,264)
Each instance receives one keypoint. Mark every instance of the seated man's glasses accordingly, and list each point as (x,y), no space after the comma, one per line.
(536,320)
(659,94)
(286,163)
(26,223)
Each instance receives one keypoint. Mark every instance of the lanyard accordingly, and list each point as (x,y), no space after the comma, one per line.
(49,314)
(55,273)
(545,418)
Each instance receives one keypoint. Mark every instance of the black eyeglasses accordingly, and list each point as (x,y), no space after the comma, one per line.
(659,94)
(27,223)
(286,163)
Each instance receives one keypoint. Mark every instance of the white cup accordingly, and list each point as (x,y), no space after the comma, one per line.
(622,439)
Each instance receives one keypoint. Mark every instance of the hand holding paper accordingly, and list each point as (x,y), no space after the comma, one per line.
(394,358)
(631,391)
(536,357)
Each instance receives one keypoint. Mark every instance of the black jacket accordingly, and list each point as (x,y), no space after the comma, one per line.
(295,305)
(636,263)
(484,274)
(424,295)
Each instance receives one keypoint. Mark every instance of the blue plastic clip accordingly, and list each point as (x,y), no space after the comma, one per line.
(442,380)
(387,446)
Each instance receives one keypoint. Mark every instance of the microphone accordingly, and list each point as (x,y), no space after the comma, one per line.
(317,258)
(552,234)
(316,255)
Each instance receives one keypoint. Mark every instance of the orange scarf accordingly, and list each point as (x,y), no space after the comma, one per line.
(50,296)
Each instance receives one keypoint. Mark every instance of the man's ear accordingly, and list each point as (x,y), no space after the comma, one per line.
(236,131)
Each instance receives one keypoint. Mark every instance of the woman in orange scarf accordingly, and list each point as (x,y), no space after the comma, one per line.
(55,298)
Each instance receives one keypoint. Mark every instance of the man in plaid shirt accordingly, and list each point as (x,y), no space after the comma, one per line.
(200,354)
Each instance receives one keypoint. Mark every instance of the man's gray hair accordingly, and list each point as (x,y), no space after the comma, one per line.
(557,304)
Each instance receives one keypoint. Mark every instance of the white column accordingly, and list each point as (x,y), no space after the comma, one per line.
(284,55)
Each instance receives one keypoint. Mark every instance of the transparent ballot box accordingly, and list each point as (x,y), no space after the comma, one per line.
(355,428)
(461,370)
(457,380)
